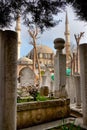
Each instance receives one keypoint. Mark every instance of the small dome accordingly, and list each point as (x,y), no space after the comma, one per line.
(25,60)
(41,49)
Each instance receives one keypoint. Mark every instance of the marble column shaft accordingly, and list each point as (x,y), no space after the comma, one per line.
(78,90)
(8,79)
(83,74)
(59,70)
(44,80)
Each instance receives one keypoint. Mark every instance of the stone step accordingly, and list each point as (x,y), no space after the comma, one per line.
(75,113)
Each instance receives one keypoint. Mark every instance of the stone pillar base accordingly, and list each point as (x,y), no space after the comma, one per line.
(44,91)
(62,93)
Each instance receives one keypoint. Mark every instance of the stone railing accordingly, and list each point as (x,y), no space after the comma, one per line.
(33,113)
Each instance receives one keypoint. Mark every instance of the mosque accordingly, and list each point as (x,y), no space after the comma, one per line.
(26,75)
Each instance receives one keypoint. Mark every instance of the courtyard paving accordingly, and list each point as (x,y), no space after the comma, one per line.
(48,125)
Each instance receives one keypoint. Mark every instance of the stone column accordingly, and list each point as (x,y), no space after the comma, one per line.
(78,90)
(59,69)
(83,74)
(44,80)
(8,79)
(51,88)
(44,90)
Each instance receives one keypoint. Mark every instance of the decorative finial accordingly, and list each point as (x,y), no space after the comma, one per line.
(59,43)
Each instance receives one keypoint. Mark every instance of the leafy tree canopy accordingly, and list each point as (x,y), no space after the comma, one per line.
(38,12)
(34,12)
(80,7)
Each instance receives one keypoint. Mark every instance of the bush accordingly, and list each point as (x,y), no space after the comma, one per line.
(25,99)
(41,98)
(33,92)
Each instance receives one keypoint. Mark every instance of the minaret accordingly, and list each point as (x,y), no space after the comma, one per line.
(18,30)
(67,42)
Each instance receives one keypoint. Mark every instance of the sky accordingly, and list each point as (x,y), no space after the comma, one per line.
(48,36)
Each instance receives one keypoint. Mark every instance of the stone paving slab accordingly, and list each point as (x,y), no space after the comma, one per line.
(49,124)
(78,121)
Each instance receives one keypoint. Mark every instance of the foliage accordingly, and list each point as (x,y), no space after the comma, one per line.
(79,8)
(42,12)
(30,98)
(33,92)
(38,12)
(26,99)
(65,126)
(71,127)
(34,12)
(41,98)
(8,11)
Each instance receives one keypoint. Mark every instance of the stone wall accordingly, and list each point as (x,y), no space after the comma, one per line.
(33,113)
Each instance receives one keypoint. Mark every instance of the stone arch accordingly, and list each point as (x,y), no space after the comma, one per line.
(26,77)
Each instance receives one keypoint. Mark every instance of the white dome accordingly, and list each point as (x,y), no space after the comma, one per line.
(43,49)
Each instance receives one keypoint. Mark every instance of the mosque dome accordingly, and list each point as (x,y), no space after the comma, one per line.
(41,49)
(25,60)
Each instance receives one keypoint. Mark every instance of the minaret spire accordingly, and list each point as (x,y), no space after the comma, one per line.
(18,30)
(67,41)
